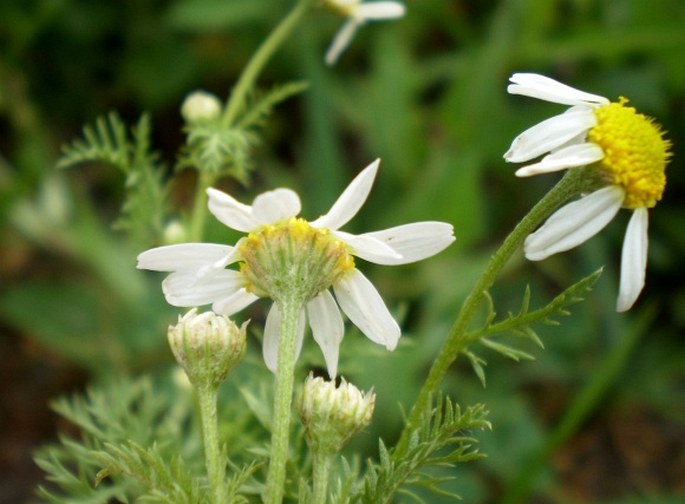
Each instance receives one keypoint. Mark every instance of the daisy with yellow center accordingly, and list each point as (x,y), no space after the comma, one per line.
(357,13)
(284,255)
(628,154)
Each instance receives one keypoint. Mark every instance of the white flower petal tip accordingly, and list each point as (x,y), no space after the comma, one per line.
(574,223)
(547,89)
(341,40)
(275,206)
(328,328)
(364,306)
(380,11)
(182,256)
(567,157)
(633,260)
(231,212)
(350,201)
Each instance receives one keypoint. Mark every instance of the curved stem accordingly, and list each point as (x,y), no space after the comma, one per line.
(285,371)
(573,182)
(321,474)
(207,397)
(260,58)
(199,212)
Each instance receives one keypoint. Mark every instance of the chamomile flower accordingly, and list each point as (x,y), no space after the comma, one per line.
(625,150)
(284,256)
(357,13)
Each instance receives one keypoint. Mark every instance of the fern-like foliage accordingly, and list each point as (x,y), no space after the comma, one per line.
(226,149)
(443,439)
(109,142)
(520,324)
(138,443)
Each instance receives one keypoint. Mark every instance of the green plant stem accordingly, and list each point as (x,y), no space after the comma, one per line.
(574,182)
(321,475)
(285,371)
(207,397)
(199,213)
(582,406)
(260,58)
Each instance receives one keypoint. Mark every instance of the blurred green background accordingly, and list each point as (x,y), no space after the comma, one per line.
(600,415)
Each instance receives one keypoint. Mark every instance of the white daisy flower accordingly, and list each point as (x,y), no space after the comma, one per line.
(357,14)
(630,155)
(284,254)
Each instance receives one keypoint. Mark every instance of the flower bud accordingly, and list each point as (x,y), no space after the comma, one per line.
(201,106)
(332,415)
(207,346)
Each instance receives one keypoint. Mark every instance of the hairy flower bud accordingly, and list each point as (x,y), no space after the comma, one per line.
(332,415)
(200,106)
(207,345)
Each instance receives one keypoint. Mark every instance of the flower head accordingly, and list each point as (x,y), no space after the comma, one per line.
(357,13)
(628,155)
(333,414)
(287,255)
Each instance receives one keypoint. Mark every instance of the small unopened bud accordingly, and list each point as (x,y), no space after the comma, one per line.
(200,106)
(332,415)
(207,346)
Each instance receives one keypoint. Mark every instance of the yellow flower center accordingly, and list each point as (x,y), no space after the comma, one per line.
(291,258)
(635,152)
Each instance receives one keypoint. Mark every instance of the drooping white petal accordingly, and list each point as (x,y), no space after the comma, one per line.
(376,11)
(234,303)
(341,40)
(328,328)
(182,256)
(364,306)
(230,211)
(350,201)
(272,337)
(186,288)
(574,223)
(275,206)
(633,260)
(567,157)
(412,242)
(543,88)
(369,248)
(550,134)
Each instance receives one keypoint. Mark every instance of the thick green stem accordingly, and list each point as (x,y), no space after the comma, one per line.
(207,397)
(321,475)
(260,58)
(285,371)
(574,182)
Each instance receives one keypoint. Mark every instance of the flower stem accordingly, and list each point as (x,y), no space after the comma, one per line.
(207,397)
(260,58)
(574,182)
(321,474)
(199,213)
(285,371)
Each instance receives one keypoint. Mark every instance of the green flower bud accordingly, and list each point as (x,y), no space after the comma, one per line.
(201,106)
(332,415)
(207,346)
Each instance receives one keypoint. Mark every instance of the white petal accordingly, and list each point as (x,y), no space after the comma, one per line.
(182,256)
(275,206)
(234,303)
(272,337)
(369,248)
(550,134)
(328,328)
(574,223)
(364,306)
(567,157)
(187,288)
(341,40)
(633,260)
(350,201)
(376,11)
(412,242)
(231,212)
(544,88)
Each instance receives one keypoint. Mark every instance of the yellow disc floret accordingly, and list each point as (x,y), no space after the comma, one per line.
(635,152)
(293,258)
